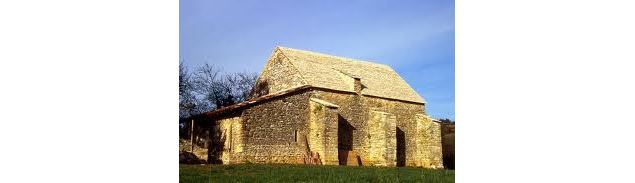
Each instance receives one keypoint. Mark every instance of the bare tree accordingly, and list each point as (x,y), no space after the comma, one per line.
(187,100)
(241,84)
(214,90)
(208,88)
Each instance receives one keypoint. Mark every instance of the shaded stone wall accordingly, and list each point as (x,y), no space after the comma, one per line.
(231,139)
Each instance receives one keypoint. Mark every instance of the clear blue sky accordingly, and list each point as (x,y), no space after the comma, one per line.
(416,38)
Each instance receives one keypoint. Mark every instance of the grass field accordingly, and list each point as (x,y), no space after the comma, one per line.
(307,173)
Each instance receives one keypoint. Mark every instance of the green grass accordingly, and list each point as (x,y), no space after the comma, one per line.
(308,173)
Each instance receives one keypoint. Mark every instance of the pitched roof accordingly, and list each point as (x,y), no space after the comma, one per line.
(256,100)
(338,73)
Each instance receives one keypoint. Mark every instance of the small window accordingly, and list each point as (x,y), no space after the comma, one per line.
(295,135)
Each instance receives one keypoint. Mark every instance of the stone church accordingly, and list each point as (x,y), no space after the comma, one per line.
(313,108)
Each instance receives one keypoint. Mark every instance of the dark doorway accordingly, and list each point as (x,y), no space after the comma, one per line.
(401,147)
(344,139)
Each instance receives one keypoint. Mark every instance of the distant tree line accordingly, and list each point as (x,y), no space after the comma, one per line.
(206,87)
(447,140)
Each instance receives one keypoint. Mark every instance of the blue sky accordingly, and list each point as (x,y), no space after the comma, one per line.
(415,38)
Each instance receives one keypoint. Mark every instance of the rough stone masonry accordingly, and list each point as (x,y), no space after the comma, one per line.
(312,108)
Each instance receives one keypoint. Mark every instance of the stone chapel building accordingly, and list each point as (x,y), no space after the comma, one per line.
(312,108)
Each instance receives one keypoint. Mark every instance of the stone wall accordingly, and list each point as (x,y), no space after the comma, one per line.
(322,136)
(287,129)
(382,139)
(275,131)
(231,139)
(405,118)
(351,114)
(317,127)
(355,109)
(429,147)
(277,75)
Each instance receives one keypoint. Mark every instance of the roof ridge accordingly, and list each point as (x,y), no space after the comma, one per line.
(334,56)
